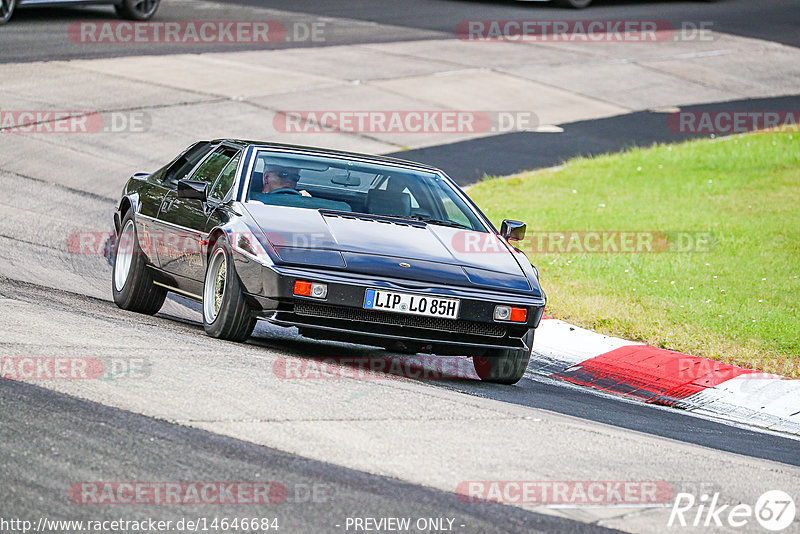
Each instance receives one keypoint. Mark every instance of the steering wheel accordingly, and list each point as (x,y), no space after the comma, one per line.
(285,191)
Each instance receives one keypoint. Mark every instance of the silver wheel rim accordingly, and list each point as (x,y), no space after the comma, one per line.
(5,9)
(214,288)
(124,256)
(145,7)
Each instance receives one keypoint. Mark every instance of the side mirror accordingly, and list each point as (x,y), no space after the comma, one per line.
(193,189)
(513,230)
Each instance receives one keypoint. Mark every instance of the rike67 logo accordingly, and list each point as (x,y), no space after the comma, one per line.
(774,510)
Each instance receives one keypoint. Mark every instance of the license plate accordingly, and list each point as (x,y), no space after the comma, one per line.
(392,301)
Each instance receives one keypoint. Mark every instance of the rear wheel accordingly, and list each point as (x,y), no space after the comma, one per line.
(131,283)
(504,366)
(6,10)
(136,9)
(226,313)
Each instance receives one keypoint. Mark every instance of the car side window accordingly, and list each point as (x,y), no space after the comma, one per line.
(225,180)
(185,163)
(211,168)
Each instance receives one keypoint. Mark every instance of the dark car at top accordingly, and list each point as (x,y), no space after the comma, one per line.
(363,249)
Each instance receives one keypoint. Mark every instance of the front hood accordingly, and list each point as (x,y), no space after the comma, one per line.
(436,254)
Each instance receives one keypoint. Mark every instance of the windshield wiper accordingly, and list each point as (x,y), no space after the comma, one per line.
(431,220)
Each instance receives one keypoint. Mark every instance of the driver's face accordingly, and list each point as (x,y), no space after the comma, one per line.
(273,181)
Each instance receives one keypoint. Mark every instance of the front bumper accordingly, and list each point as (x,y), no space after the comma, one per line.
(341,315)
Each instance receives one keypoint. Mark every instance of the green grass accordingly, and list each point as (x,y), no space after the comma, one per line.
(737,302)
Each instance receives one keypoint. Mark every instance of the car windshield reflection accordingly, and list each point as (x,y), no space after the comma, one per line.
(323,182)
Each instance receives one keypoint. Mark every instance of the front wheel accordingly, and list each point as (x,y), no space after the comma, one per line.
(131,283)
(504,366)
(136,9)
(226,313)
(6,10)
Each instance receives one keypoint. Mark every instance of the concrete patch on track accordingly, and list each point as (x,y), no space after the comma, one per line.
(469,161)
(183,97)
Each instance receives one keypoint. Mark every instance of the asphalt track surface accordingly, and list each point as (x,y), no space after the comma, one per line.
(41,33)
(50,440)
(772,20)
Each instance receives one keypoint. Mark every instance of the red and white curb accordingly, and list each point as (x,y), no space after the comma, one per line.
(652,375)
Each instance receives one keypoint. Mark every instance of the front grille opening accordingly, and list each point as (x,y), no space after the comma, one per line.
(398,319)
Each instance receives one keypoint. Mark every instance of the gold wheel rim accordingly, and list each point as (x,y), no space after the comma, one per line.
(219,286)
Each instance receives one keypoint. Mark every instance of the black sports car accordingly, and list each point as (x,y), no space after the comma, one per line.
(342,246)
(127,9)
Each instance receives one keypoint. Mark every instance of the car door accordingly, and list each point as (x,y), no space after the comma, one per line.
(152,193)
(184,222)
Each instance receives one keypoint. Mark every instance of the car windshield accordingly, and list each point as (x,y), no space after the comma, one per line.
(323,182)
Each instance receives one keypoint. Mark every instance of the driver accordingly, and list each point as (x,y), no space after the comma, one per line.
(278,179)
(279,188)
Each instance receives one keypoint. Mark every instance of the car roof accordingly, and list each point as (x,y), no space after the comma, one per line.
(329,152)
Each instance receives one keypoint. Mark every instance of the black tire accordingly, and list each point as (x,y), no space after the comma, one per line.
(574,4)
(7,8)
(133,290)
(137,9)
(504,366)
(226,313)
